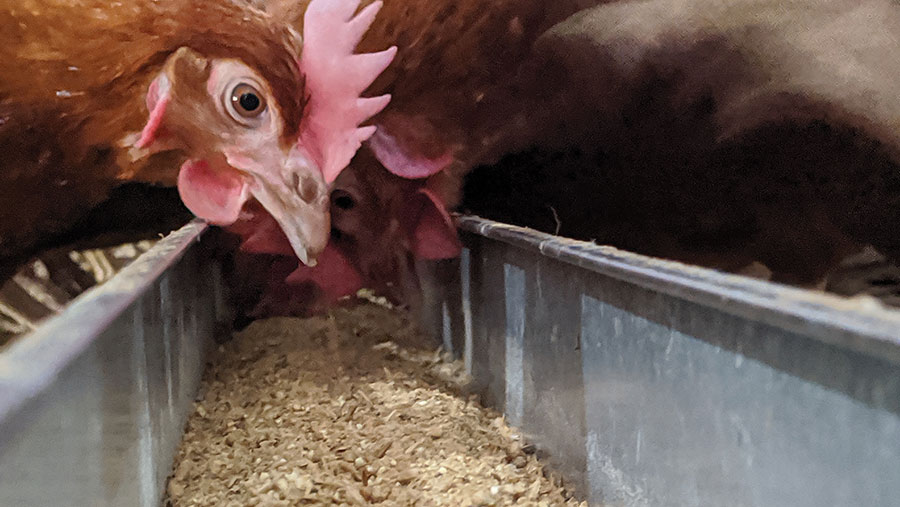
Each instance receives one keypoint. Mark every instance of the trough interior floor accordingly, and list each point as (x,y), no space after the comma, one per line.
(354,407)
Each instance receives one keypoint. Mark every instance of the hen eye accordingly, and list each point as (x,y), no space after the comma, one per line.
(246,102)
(343,200)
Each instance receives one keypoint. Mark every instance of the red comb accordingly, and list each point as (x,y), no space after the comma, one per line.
(335,78)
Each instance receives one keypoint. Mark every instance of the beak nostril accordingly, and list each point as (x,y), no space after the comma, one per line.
(306,187)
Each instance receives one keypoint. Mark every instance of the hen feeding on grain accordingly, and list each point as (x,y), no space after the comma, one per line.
(717,134)
(455,103)
(227,99)
(722,134)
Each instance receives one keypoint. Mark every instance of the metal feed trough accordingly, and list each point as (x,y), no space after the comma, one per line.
(645,382)
(92,404)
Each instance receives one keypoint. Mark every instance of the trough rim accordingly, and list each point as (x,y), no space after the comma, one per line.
(862,324)
(32,362)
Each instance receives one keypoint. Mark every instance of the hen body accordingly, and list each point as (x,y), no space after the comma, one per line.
(453,83)
(718,133)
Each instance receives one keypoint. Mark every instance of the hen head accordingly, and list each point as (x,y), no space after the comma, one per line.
(249,132)
(381,224)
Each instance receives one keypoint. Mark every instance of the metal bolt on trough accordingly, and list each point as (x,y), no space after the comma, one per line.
(93,403)
(649,382)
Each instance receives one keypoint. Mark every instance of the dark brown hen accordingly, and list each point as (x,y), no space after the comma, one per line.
(719,133)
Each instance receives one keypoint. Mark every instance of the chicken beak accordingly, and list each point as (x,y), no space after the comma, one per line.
(296,197)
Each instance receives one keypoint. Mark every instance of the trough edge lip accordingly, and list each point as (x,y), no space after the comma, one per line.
(861,323)
(32,362)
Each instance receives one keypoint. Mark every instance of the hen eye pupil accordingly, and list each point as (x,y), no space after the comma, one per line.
(343,200)
(249,101)
(245,102)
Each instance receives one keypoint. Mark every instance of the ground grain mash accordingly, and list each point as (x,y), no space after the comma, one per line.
(350,408)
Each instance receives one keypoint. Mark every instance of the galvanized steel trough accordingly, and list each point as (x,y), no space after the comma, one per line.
(655,383)
(93,403)
(645,382)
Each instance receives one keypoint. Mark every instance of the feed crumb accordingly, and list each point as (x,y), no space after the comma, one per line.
(352,408)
